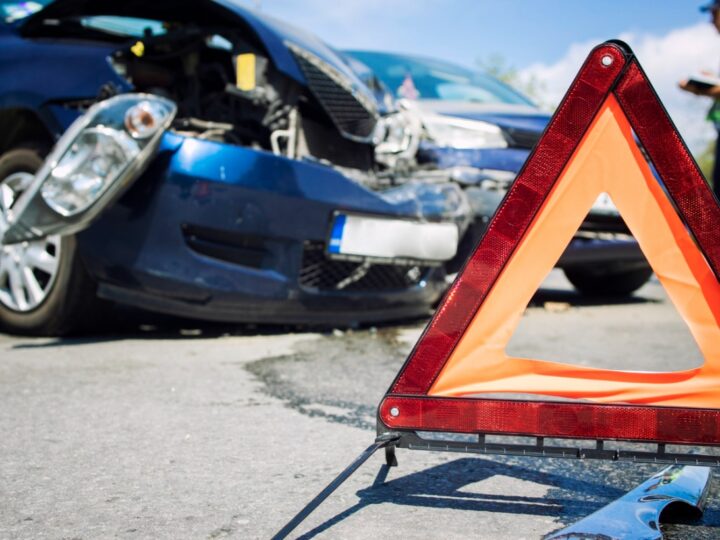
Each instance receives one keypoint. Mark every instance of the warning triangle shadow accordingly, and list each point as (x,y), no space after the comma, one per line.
(572,496)
(445,486)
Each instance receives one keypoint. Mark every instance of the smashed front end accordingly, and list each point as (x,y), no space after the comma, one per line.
(278,190)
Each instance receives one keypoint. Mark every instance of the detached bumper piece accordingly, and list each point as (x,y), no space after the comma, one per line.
(636,515)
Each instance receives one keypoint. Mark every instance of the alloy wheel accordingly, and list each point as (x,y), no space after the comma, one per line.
(27,270)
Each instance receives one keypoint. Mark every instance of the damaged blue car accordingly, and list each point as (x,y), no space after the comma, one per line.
(480,131)
(201,160)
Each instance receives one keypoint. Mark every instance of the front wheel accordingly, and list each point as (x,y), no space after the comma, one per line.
(44,288)
(604,282)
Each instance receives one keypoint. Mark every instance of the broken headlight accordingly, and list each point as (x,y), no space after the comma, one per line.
(102,150)
(397,136)
(88,168)
(99,156)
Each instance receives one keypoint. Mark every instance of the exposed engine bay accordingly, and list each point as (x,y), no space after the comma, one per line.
(196,71)
(228,91)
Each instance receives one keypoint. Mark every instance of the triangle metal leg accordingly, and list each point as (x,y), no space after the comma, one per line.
(332,486)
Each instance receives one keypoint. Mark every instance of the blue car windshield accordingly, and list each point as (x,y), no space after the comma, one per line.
(412,77)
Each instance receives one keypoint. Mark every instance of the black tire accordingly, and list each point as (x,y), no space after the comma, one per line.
(602,282)
(71,304)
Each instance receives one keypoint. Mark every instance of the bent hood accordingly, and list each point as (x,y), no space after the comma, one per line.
(271,33)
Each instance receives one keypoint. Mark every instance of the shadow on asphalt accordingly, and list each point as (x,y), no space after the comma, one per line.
(129,323)
(570,497)
(578,300)
(445,486)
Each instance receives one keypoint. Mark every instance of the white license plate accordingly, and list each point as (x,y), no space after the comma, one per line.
(367,236)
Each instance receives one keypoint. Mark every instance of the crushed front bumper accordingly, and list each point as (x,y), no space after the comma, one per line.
(232,234)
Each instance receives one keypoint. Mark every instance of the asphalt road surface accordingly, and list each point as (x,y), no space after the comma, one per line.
(178,430)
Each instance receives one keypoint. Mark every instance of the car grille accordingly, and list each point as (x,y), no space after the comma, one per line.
(346,109)
(322,273)
(521,138)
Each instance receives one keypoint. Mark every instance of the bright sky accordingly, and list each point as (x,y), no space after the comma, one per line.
(544,39)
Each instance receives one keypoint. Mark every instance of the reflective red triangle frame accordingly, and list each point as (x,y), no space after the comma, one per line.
(696,206)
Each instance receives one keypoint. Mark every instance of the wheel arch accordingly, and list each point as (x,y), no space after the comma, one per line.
(21,125)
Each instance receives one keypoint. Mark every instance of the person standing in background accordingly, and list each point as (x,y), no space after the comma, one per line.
(712,92)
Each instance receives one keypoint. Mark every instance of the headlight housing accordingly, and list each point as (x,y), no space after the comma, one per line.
(96,160)
(450,132)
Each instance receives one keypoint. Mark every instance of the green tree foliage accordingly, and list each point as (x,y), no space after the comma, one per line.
(706,160)
(498,66)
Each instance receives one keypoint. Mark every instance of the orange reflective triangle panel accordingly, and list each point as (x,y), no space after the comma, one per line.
(588,149)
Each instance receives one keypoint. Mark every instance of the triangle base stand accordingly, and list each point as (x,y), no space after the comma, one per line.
(503,445)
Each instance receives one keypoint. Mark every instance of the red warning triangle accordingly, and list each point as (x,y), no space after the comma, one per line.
(588,149)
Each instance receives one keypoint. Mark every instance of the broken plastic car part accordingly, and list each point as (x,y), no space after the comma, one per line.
(96,160)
